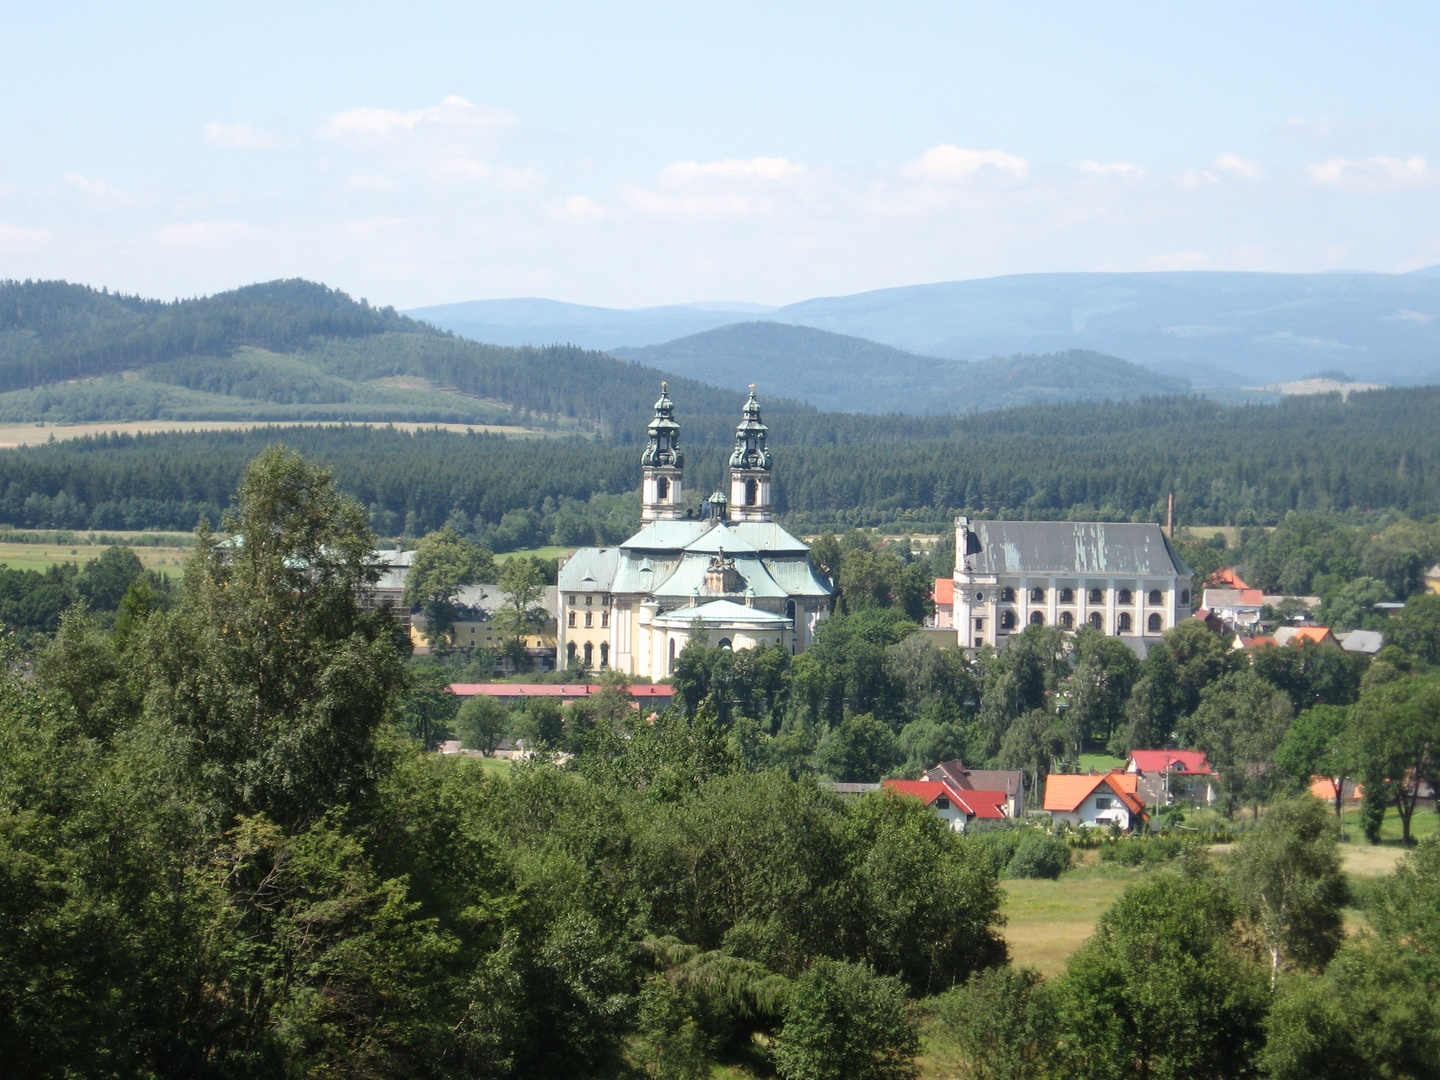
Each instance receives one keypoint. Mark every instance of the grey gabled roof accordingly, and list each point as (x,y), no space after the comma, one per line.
(667,535)
(589,570)
(1074,547)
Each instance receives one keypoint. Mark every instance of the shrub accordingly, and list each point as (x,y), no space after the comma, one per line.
(1039,856)
(844,1022)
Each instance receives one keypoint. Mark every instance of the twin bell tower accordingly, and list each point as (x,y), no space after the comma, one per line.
(663,466)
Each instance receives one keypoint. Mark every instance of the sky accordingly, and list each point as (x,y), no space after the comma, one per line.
(631,154)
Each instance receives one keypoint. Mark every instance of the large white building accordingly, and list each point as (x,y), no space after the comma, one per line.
(1125,580)
(731,577)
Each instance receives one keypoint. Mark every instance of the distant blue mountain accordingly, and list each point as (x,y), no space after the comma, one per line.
(1213,328)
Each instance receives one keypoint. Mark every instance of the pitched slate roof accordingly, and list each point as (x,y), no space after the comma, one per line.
(956,775)
(589,570)
(724,612)
(1074,547)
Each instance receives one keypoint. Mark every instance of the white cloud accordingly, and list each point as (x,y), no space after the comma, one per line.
(371,182)
(243,137)
(1370,173)
(760,168)
(192,233)
(1406,315)
(1238,167)
(369,226)
(579,208)
(14,236)
(1121,169)
(97,193)
(947,162)
(454,113)
(711,205)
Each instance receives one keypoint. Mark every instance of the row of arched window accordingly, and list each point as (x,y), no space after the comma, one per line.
(1124,623)
(589,653)
(1096,596)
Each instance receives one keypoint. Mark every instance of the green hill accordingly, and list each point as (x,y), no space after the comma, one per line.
(295,350)
(851,374)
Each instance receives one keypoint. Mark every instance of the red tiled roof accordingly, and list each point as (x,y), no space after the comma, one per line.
(1316,634)
(983,804)
(944,590)
(1257,642)
(1065,792)
(927,791)
(1179,762)
(1226,576)
(560,690)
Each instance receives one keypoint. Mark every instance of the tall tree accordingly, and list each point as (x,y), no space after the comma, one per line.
(1398,743)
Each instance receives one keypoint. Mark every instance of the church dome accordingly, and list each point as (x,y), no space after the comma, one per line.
(750,450)
(663,445)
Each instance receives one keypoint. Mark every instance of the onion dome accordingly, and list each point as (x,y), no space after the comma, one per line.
(663,448)
(750,449)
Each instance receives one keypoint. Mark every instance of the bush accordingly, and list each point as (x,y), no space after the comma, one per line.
(1038,855)
(844,1022)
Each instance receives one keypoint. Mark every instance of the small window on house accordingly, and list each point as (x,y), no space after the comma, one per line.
(1125,597)
(589,600)
(1067,620)
(1103,802)
(571,619)
(1097,596)
(1037,618)
(979,624)
(589,618)
(1155,623)
(1184,596)
(604,654)
(1156,596)
(1123,624)
(1007,595)
(605,618)
(1007,620)
(1067,596)
(1037,596)
(942,803)
(570,600)
(570,651)
(589,654)
(1096,620)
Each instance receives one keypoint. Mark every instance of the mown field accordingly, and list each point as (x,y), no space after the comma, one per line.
(13,435)
(169,560)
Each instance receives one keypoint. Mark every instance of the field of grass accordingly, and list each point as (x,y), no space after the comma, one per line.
(169,560)
(13,435)
(1048,920)
(551,552)
(1100,763)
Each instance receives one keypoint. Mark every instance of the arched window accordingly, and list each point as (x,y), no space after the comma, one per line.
(1007,620)
(589,654)
(1156,596)
(671,668)
(1067,596)
(723,643)
(604,654)
(1125,597)
(1007,594)
(570,651)
(790,610)
(1124,623)
(1037,596)
(571,619)
(662,488)
(1067,620)
(752,492)
(1037,618)
(1097,596)
(1155,623)
(1096,619)
(1184,596)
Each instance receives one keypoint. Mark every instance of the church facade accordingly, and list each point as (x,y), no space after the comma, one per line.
(1125,580)
(732,577)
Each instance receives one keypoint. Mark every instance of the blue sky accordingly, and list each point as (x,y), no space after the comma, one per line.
(633,153)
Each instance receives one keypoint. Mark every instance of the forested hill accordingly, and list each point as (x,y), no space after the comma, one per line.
(1108,461)
(295,350)
(851,374)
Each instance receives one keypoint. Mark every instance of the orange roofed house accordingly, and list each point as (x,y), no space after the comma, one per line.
(956,808)
(1094,799)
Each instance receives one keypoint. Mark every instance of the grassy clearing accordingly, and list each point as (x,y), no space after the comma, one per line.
(551,552)
(13,435)
(168,560)
(1048,920)
(1100,763)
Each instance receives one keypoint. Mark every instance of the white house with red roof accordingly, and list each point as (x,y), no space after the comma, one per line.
(951,805)
(1167,775)
(1094,799)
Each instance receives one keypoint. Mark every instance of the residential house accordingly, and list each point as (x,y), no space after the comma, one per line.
(1300,635)
(958,808)
(1012,783)
(1239,609)
(1368,642)
(1432,579)
(1095,799)
(944,603)
(1167,775)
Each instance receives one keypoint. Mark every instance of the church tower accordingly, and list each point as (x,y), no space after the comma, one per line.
(750,467)
(662,465)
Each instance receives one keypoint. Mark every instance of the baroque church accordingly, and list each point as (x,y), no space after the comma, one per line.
(731,577)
